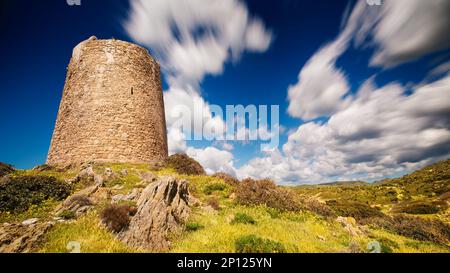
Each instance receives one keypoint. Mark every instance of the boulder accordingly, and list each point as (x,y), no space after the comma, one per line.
(132,196)
(162,209)
(19,238)
(30,222)
(87,173)
(349,224)
(84,200)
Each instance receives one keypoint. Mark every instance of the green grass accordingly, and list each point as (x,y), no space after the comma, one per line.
(261,227)
(296,234)
(42,211)
(88,232)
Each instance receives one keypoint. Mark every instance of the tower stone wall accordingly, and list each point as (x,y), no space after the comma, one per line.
(112,107)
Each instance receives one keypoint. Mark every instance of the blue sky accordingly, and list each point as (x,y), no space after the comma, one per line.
(332,128)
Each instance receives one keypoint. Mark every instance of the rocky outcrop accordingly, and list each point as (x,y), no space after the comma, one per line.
(87,173)
(162,209)
(350,225)
(84,200)
(24,237)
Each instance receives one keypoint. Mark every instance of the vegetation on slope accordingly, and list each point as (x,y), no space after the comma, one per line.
(402,215)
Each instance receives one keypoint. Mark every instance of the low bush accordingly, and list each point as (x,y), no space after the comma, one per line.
(117,217)
(212,187)
(417,228)
(255,244)
(193,226)
(5,169)
(230,180)
(421,207)
(214,203)
(67,214)
(18,193)
(265,192)
(183,164)
(319,208)
(80,199)
(242,218)
(357,210)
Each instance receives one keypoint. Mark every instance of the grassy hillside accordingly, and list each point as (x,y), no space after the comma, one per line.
(409,214)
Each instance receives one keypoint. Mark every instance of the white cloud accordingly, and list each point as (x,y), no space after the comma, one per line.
(321,85)
(408,29)
(193,38)
(213,159)
(400,30)
(381,132)
(176,141)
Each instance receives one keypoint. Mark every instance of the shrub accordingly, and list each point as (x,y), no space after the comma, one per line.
(193,226)
(242,218)
(80,199)
(230,180)
(255,244)
(5,169)
(117,217)
(357,210)
(67,214)
(183,164)
(265,192)
(421,208)
(421,229)
(212,187)
(18,193)
(413,227)
(319,208)
(214,203)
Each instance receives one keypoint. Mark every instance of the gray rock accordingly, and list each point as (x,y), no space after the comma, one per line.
(30,222)
(17,238)
(133,196)
(162,209)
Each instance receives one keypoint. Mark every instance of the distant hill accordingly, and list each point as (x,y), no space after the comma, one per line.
(345,183)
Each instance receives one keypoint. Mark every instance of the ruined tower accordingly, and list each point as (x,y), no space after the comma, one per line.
(112,107)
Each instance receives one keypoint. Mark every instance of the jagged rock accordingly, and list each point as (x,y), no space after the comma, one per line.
(147,178)
(18,238)
(30,222)
(84,200)
(350,225)
(162,209)
(87,173)
(133,196)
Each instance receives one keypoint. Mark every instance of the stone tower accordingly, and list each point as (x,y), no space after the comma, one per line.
(112,107)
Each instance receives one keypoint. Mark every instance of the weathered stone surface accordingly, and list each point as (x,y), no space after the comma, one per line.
(30,222)
(84,200)
(18,238)
(162,209)
(349,224)
(112,107)
(133,195)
